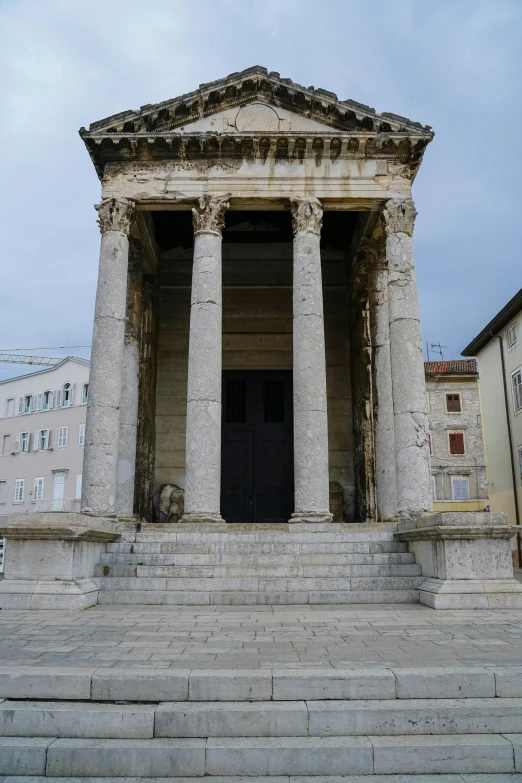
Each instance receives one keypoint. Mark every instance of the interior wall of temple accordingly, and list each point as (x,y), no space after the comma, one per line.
(257,334)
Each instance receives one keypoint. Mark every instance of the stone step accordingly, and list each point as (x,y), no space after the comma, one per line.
(171,571)
(276,684)
(180,535)
(257,584)
(501,778)
(137,597)
(260,719)
(262,756)
(233,546)
(113,558)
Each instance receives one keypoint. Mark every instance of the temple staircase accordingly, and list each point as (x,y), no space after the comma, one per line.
(257,564)
(327,725)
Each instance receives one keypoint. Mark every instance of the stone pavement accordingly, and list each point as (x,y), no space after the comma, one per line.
(160,637)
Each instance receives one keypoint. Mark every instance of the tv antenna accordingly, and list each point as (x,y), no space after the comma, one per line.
(437,348)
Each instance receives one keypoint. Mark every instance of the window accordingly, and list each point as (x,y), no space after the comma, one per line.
(85,393)
(41,440)
(26,404)
(9,406)
(24,442)
(516,380)
(63,434)
(67,395)
(19,491)
(3,491)
(78,494)
(433,488)
(511,335)
(47,400)
(453,403)
(456,443)
(81,435)
(6,445)
(38,489)
(460,486)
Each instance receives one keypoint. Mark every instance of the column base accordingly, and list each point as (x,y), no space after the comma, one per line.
(471,593)
(66,594)
(311,517)
(199,518)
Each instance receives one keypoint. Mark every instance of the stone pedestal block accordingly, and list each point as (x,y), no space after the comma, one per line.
(50,559)
(466,559)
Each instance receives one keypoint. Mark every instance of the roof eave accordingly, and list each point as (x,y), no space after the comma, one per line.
(500,320)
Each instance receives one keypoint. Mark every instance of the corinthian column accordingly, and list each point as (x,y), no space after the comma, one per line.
(203,443)
(310,416)
(130,384)
(383,417)
(407,365)
(105,381)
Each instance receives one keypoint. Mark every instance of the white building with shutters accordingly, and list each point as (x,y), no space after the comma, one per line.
(42,435)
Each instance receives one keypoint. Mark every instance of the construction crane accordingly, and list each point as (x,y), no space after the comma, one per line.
(20,358)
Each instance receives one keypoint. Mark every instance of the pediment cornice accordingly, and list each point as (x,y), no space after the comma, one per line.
(163,129)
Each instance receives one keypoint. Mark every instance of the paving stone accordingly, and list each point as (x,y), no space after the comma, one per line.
(232,719)
(244,685)
(313,684)
(139,685)
(23,756)
(444,683)
(472,753)
(70,719)
(289,755)
(120,757)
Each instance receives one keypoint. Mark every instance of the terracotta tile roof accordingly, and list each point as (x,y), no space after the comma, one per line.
(452,367)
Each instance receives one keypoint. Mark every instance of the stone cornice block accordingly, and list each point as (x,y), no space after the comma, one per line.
(59,526)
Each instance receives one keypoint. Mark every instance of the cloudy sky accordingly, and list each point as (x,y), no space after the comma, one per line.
(452,64)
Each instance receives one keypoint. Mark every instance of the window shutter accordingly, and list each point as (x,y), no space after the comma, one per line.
(58,397)
(20,405)
(39,401)
(78,486)
(51,399)
(456,441)
(71,394)
(17,443)
(31,403)
(81,435)
(36,440)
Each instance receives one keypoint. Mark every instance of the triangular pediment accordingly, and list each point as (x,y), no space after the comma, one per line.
(254,100)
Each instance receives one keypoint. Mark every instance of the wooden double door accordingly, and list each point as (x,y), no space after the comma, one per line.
(257,475)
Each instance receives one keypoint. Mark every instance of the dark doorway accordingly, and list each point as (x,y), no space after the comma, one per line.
(257,482)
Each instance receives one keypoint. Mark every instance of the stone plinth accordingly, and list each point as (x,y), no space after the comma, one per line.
(466,559)
(50,559)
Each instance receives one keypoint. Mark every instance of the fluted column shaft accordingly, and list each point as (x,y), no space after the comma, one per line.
(130,384)
(407,365)
(383,416)
(203,437)
(105,382)
(310,415)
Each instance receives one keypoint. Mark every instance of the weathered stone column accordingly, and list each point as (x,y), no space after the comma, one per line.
(105,382)
(310,415)
(383,419)
(407,365)
(130,384)
(203,443)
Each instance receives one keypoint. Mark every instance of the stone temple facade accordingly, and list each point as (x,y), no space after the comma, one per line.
(256,352)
